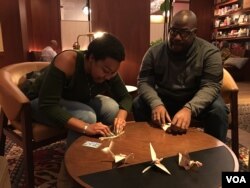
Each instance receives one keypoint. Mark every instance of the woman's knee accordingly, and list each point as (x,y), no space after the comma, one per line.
(105,107)
(85,115)
(106,103)
(80,111)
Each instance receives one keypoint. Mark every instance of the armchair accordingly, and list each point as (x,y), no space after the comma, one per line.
(229,93)
(15,116)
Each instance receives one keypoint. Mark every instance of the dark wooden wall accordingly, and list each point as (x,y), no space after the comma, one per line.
(204,12)
(12,38)
(129,21)
(45,23)
(28,25)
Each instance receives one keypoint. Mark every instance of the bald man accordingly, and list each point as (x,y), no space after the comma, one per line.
(181,79)
(49,52)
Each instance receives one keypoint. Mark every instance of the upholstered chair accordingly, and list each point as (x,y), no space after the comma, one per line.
(15,117)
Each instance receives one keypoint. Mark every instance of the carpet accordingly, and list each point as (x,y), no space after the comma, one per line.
(48,160)
(47,164)
(244,116)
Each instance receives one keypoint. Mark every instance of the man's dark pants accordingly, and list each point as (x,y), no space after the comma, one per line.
(214,118)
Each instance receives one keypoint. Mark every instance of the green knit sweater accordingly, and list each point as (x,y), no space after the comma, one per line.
(54,85)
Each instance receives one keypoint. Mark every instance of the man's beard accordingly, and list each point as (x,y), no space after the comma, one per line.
(183,51)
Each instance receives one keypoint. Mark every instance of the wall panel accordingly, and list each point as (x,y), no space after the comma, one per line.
(129,21)
(45,23)
(11,35)
(27,25)
(204,13)
(70,30)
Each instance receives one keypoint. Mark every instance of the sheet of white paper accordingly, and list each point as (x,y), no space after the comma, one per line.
(111,137)
(91,144)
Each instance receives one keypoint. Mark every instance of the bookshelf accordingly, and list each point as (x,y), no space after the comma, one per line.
(231,23)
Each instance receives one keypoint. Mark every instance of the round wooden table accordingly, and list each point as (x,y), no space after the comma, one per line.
(81,160)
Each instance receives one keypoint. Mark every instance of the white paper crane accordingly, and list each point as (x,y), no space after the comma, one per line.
(187,163)
(117,158)
(155,161)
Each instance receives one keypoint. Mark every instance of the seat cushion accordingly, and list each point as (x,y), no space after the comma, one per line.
(238,62)
(40,131)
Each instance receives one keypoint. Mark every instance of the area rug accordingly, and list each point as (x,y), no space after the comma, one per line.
(48,160)
(47,164)
(244,116)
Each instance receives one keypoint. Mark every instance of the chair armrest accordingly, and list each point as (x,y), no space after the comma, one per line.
(228,82)
(229,86)
(11,97)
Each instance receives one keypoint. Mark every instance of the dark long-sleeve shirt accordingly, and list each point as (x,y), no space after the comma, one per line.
(54,85)
(193,79)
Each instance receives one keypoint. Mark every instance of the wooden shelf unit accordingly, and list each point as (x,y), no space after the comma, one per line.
(232,23)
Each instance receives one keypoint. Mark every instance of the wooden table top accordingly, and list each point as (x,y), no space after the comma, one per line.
(81,160)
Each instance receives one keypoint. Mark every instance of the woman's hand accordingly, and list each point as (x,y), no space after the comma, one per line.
(98,128)
(119,125)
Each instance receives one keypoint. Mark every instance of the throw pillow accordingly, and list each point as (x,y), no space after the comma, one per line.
(238,62)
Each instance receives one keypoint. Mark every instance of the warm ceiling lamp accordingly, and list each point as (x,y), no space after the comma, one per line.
(86,8)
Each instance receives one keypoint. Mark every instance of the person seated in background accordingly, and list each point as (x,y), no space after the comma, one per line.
(181,79)
(70,92)
(224,50)
(49,52)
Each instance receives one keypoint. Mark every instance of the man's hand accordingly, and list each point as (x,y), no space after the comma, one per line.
(181,120)
(160,115)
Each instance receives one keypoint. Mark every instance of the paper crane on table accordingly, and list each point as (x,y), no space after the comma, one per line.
(120,158)
(187,163)
(155,161)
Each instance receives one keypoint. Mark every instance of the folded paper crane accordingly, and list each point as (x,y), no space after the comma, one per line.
(119,158)
(166,127)
(112,136)
(155,161)
(187,163)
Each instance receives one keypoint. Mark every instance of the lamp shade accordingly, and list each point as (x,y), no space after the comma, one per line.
(156,19)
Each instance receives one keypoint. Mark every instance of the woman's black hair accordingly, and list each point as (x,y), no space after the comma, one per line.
(106,46)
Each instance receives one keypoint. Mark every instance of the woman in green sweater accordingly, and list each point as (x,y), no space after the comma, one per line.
(72,90)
